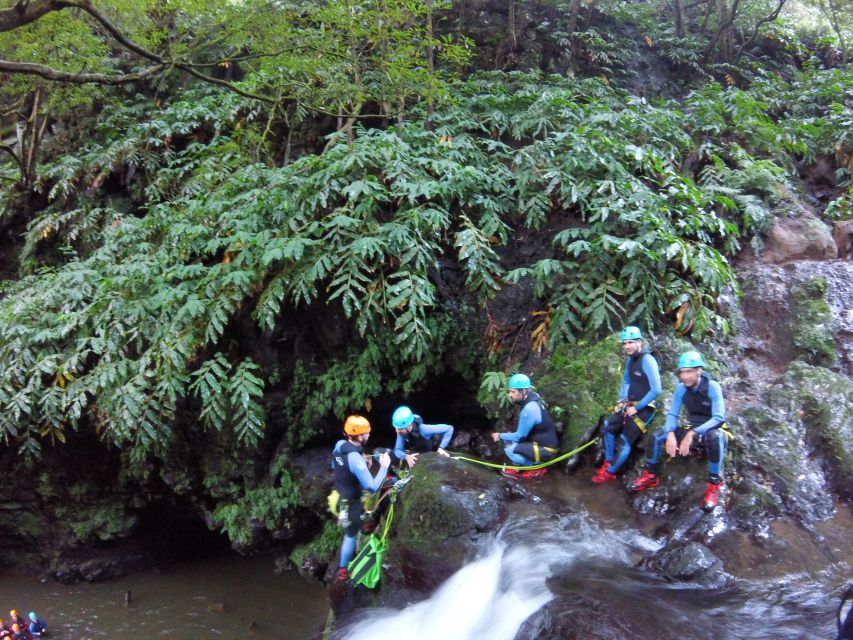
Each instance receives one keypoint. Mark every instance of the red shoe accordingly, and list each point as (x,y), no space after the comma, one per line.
(603,475)
(645,481)
(533,474)
(712,496)
(342,575)
(512,474)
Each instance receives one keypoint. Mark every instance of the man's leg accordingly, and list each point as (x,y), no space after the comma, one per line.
(649,477)
(716,442)
(517,459)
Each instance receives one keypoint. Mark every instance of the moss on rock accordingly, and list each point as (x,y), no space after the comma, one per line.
(583,380)
(812,337)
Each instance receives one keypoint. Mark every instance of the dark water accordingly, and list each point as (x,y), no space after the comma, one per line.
(573,572)
(229,598)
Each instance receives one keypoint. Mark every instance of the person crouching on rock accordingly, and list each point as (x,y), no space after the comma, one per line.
(351,477)
(535,439)
(634,410)
(706,413)
(416,437)
(37,626)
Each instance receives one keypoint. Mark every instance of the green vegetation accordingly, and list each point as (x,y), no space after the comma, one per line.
(222,177)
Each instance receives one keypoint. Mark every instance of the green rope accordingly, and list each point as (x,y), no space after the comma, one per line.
(541,465)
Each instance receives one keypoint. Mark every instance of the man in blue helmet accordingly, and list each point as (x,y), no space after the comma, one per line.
(535,438)
(634,410)
(702,396)
(414,437)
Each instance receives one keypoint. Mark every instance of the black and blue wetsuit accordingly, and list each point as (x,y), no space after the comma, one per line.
(351,477)
(640,387)
(419,439)
(706,413)
(535,438)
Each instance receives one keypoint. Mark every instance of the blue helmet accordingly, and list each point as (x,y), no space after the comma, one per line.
(690,360)
(631,333)
(33,616)
(519,381)
(402,417)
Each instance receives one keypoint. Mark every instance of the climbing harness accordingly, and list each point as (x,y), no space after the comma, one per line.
(366,568)
(495,465)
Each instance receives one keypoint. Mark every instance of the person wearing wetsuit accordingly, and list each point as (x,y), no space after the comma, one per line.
(351,478)
(702,396)
(416,437)
(634,410)
(535,438)
(37,626)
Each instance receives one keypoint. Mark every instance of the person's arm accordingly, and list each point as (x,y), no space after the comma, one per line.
(650,368)
(626,381)
(443,430)
(359,469)
(400,448)
(718,408)
(531,415)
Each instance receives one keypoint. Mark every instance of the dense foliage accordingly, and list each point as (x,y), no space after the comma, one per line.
(351,176)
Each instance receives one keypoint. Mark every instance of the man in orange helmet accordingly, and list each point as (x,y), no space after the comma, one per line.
(351,478)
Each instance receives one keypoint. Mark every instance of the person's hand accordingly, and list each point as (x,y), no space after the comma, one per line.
(631,411)
(496,436)
(385,460)
(411,459)
(671,445)
(684,447)
(442,452)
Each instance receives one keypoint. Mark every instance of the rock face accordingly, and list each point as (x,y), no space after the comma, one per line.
(801,238)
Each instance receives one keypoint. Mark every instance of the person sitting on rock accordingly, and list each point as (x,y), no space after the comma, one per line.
(37,627)
(416,437)
(706,414)
(535,438)
(351,477)
(634,410)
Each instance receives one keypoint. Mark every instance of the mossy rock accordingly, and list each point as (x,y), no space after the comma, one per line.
(812,336)
(583,381)
(823,400)
(445,509)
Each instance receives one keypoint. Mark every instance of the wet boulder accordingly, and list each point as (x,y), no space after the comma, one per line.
(689,562)
(440,516)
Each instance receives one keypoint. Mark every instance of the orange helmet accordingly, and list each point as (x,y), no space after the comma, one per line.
(356,425)
(16,627)
(13,613)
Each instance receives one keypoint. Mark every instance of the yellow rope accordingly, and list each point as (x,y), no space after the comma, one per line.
(541,465)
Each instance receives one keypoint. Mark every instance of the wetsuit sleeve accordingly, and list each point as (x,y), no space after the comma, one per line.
(358,467)
(626,381)
(400,448)
(531,415)
(650,368)
(444,430)
(674,409)
(718,408)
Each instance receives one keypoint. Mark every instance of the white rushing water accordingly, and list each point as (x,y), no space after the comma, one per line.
(491,597)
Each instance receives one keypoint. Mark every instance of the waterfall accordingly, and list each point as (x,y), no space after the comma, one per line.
(488,598)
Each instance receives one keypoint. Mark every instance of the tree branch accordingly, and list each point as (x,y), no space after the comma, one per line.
(763,20)
(8,149)
(49,73)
